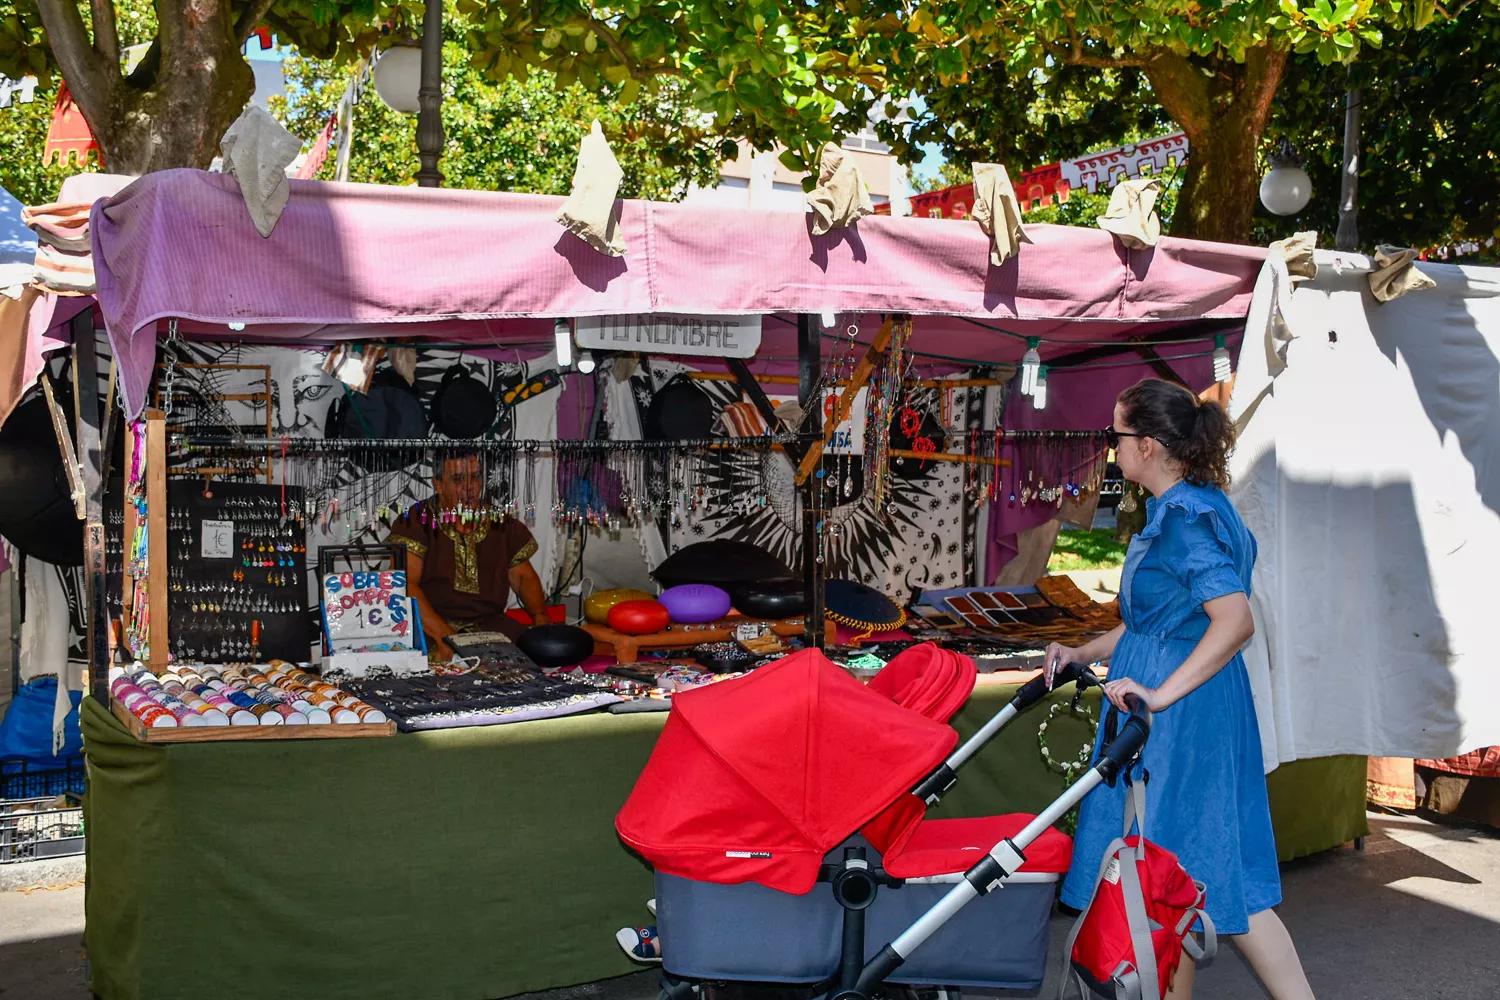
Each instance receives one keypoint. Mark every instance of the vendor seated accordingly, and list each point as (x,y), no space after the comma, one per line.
(461,574)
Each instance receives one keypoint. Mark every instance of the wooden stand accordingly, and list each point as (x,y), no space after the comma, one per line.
(626,648)
(220,734)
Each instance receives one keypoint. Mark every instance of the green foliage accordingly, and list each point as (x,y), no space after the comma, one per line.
(23,132)
(508,136)
(1430,171)
(1024,120)
(1093,549)
(1013,81)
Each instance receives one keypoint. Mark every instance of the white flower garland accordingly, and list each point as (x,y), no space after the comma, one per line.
(1068,768)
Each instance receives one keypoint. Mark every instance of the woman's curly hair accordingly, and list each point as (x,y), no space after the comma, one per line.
(1196,433)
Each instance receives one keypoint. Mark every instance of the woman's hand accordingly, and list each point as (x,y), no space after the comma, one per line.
(1116,691)
(1059,656)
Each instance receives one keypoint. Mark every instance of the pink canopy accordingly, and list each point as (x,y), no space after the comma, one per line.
(363,261)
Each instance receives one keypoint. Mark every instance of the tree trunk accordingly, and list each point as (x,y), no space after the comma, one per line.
(173,110)
(1223,107)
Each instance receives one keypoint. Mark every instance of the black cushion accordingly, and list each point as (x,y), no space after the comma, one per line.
(781,597)
(721,562)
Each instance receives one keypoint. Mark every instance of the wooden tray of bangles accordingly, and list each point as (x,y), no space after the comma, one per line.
(214,734)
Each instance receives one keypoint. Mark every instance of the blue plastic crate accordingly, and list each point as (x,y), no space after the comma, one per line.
(23,779)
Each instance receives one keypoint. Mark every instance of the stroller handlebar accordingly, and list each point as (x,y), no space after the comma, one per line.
(1123,742)
(1037,688)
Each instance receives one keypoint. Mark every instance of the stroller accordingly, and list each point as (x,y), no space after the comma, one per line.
(763,787)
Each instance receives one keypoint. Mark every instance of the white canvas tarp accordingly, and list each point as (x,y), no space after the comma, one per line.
(1368,468)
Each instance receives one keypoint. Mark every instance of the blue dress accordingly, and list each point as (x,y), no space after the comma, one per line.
(1206,798)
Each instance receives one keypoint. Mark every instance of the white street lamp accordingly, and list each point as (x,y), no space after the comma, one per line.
(1286,188)
(398,76)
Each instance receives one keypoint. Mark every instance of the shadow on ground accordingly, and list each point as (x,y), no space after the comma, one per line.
(50,968)
(1415,914)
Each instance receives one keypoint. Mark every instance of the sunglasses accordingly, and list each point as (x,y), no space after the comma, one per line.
(1112,436)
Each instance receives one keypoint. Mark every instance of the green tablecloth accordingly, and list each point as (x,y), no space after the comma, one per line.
(473,863)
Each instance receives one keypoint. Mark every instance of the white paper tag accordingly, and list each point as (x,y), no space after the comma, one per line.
(218,539)
(748,631)
(1112,873)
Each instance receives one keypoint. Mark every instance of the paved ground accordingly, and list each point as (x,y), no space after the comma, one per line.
(1416,915)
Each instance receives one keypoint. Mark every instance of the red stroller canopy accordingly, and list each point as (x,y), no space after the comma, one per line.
(927,679)
(756,779)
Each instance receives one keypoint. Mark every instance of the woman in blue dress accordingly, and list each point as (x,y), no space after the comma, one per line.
(1184,599)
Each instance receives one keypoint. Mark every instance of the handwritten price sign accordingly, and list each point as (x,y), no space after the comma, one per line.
(366,607)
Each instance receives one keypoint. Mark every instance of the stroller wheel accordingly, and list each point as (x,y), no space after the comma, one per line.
(678,989)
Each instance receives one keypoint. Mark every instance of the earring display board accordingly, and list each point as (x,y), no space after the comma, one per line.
(236,578)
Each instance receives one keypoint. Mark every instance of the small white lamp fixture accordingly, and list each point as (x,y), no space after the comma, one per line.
(1039,390)
(398,75)
(829,319)
(1223,369)
(586,363)
(562,336)
(1030,362)
(1286,188)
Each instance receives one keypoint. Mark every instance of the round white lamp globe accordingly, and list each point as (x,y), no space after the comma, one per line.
(1285,190)
(398,76)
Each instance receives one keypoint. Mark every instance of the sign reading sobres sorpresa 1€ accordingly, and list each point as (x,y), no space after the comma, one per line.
(663,333)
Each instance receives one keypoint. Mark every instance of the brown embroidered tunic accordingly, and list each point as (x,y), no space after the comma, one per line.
(465,575)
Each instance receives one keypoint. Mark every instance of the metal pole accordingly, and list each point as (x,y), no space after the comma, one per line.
(430,98)
(809,379)
(1348,232)
(90,455)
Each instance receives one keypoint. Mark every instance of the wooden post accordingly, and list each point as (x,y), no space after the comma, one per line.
(156,534)
(810,376)
(90,455)
(862,373)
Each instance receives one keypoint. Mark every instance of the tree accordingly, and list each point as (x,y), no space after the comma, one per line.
(1431,128)
(1431,170)
(761,69)
(1214,70)
(511,135)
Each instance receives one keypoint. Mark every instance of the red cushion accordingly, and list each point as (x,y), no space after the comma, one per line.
(944,846)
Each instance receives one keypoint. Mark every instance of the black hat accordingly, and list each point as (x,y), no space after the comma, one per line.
(462,406)
(680,411)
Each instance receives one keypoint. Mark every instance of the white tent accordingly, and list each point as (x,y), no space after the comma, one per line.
(1369,469)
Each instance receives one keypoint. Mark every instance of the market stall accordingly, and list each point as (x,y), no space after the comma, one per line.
(889,483)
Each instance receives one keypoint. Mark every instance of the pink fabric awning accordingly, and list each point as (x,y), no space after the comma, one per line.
(355,260)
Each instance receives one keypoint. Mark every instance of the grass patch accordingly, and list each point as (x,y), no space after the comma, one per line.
(1094,549)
